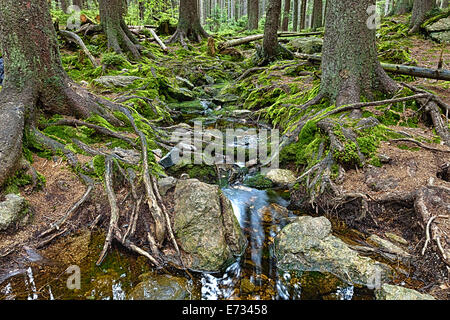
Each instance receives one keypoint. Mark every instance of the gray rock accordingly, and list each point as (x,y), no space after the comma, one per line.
(443,36)
(161,287)
(13,212)
(128,155)
(116,81)
(171,158)
(308,245)
(309,45)
(165,184)
(205,226)
(391,292)
(281,177)
(440,25)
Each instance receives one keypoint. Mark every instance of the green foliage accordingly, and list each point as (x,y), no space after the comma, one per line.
(258,181)
(114,60)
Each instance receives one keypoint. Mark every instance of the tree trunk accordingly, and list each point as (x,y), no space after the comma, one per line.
(141,10)
(253,14)
(350,67)
(119,36)
(189,25)
(287,12)
(270,42)
(64,5)
(34,76)
(295,20)
(420,9)
(445,4)
(78,3)
(303,15)
(402,7)
(317,15)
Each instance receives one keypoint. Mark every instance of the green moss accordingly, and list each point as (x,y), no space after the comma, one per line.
(349,156)
(259,182)
(99,166)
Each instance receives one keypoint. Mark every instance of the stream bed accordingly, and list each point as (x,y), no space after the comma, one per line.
(254,275)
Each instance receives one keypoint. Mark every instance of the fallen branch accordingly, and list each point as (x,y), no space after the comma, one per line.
(419,72)
(158,40)
(75,38)
(256,37)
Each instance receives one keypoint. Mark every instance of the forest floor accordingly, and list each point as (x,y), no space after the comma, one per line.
(408,169)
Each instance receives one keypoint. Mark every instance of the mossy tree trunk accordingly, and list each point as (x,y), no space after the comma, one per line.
(34,77)
(419,12)
(270,42)
(120,38)
(253,14)
(189,25)
(350,66)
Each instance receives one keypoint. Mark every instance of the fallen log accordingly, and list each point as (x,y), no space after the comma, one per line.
(255,37)
(438,74)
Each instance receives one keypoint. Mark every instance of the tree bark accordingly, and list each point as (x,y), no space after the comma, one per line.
(317,14)
(34,77)
(270,42)
(420,9)
(303,15)
(402,7)
(120,38)
(286,14)
(189,26)
(350,66)
(78,3)
(64,5)
(296,13)
(253,14)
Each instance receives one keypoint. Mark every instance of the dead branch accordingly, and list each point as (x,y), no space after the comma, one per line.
(71,36)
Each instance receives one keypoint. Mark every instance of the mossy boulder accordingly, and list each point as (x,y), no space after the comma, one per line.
(308,245)
(205,226)
(116,81)
(160,287)
(391,292)
(309,45)
(281,177)
(14,212)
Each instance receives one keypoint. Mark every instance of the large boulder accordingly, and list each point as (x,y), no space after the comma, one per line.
(205,226)
(440,30)
(161,287)
(309,45)
(391,292)
(14,212)
(116,81)
(281,177)
(308,245)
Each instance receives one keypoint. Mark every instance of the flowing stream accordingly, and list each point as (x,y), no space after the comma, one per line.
(261,214)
